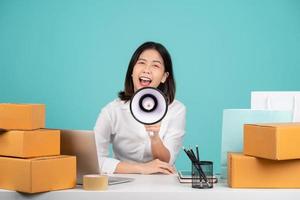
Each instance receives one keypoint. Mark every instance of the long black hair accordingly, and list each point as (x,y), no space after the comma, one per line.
(168,87)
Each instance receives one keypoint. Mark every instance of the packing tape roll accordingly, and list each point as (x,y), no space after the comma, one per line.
(95,182)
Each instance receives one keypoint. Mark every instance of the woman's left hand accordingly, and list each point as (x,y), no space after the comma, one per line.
(153,129)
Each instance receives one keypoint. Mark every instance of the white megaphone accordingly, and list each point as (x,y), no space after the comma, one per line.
(148,105)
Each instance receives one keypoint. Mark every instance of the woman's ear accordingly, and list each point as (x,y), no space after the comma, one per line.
(164,78)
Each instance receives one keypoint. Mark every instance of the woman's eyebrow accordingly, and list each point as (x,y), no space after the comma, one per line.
(142,59)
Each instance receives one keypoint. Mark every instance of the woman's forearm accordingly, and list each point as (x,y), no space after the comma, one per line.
(159,150)
(151,167)
(128,168)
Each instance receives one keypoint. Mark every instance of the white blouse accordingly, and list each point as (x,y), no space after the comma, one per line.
(130,140)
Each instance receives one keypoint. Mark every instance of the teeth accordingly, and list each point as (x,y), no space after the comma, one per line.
(145,79)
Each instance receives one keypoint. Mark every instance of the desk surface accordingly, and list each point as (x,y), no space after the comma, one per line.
(156,187)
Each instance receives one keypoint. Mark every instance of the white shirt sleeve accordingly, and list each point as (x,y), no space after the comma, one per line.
(103,130)
(174,134)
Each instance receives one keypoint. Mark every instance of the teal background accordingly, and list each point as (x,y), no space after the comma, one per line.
(73,55)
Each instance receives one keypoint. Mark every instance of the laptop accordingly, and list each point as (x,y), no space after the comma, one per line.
(81,143)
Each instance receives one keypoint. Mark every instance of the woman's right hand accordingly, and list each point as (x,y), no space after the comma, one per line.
(156,166)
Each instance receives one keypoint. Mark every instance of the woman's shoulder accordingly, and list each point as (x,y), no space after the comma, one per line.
(177,105)
(115,105)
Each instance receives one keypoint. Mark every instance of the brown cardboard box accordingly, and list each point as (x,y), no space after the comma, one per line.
(251,172)
(272,141)
(25,144)
(37,174)
(22,116)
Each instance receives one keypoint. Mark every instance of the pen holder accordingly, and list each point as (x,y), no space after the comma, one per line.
(205,169)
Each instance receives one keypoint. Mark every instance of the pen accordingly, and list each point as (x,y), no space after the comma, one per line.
(196,163)
(192,152)
(197,151)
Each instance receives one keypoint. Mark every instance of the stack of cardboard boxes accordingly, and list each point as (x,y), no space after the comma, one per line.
(30,159)
(271,157)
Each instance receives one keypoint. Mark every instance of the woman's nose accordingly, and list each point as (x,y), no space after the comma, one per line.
(147,69)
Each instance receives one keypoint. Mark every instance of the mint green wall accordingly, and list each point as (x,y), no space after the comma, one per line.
(73,55)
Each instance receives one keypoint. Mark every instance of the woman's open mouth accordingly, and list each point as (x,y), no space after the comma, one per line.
(145,81)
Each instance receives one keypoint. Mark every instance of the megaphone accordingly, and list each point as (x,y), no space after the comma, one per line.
(148,105)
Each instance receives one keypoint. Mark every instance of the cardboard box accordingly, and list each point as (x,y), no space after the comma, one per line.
(25,144)
(272,141)
(22,116)
(251,172)
(37,174)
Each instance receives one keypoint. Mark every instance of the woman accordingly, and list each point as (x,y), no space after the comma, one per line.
(135,151)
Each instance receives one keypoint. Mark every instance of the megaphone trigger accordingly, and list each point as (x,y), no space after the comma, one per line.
(151,134)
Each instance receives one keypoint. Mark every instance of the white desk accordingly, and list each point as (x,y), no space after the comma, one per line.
(156,187)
